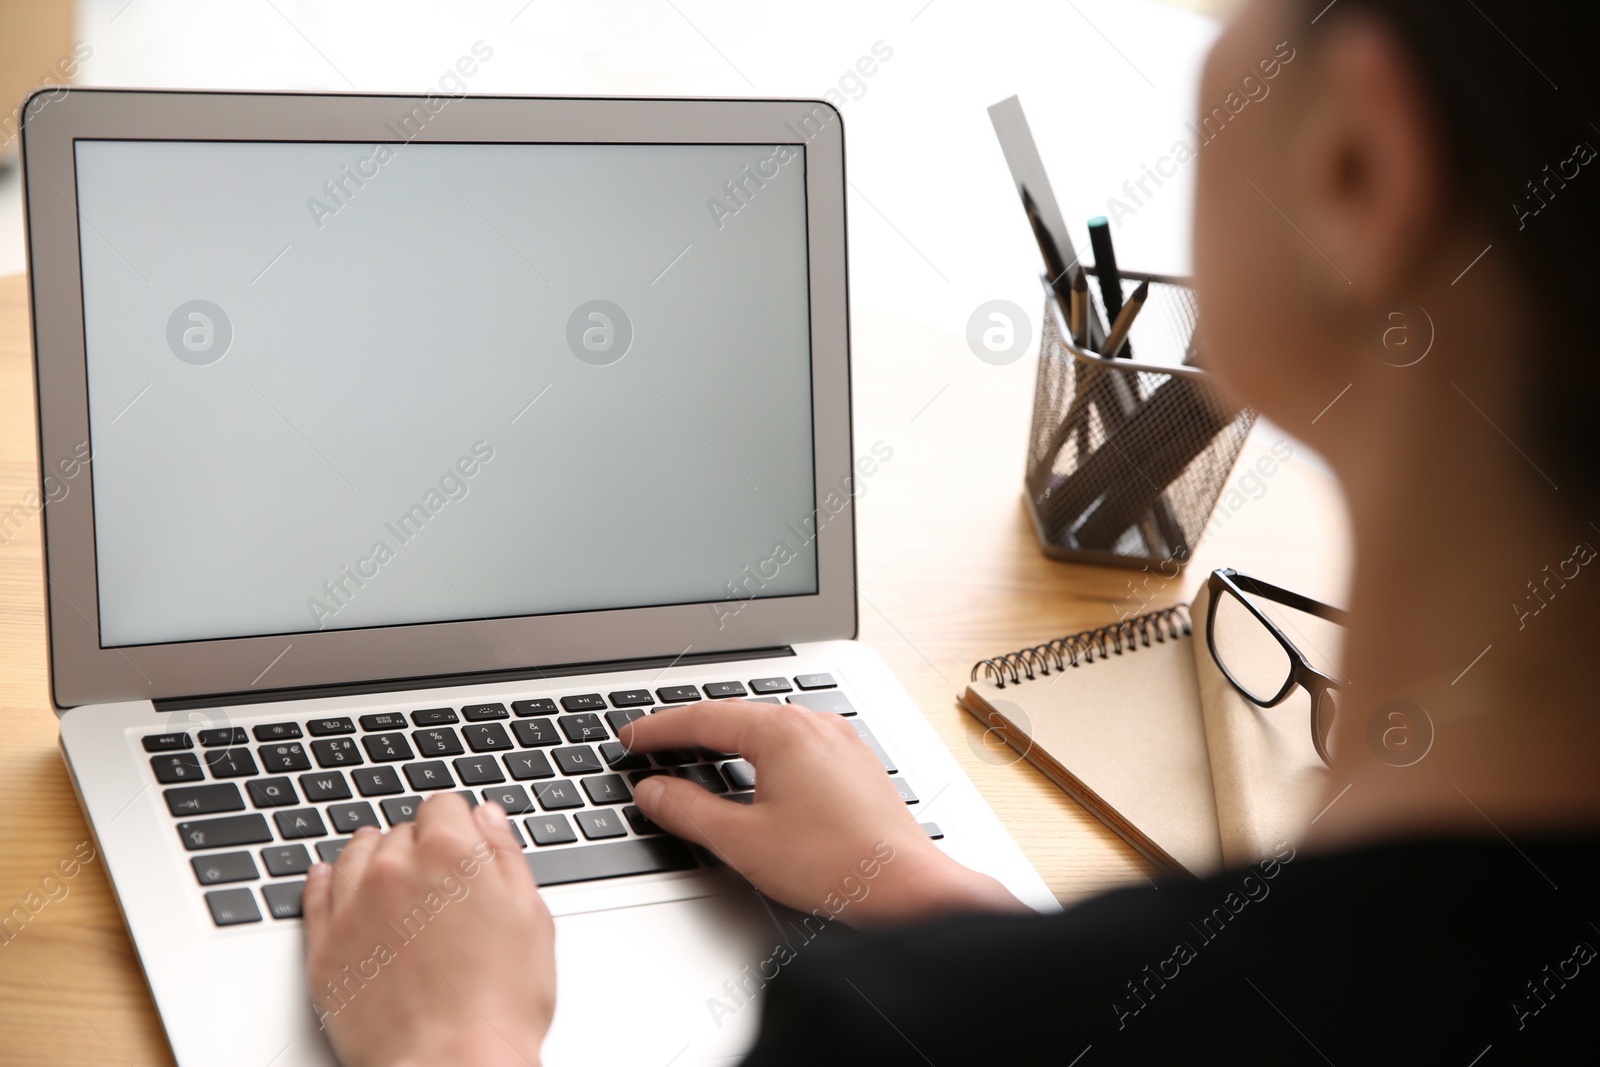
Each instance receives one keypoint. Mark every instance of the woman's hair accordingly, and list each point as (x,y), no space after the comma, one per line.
(1514,84)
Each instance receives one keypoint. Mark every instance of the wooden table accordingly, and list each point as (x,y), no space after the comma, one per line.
(949,574)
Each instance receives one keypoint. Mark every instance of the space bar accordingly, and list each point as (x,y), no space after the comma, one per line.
(610,861)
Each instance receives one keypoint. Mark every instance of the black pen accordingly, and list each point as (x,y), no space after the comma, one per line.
(1060,283)
(1105,269)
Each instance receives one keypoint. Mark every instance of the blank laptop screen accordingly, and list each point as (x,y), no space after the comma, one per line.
(344,385)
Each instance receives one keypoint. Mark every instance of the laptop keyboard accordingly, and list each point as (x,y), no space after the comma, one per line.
(257,807)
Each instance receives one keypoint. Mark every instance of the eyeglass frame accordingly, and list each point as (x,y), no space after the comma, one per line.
(1301,673)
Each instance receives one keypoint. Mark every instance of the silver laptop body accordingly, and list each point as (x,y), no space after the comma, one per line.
(396,443)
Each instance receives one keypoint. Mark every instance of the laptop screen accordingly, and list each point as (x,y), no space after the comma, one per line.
(337,385)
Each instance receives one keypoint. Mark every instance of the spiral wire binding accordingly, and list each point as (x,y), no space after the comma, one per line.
(1075,649)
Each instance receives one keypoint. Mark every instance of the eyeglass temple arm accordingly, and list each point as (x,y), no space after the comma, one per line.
(1290,599)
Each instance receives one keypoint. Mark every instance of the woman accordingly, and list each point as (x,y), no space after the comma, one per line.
(1413,168)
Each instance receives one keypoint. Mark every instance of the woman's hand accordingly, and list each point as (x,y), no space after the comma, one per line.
(827,829)
(430,944)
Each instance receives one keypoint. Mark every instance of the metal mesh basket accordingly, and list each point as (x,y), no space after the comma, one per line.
(1127,457)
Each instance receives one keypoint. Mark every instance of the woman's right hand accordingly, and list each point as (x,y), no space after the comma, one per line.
(827,829)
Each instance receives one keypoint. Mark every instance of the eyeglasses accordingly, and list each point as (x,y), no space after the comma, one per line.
(1256,657)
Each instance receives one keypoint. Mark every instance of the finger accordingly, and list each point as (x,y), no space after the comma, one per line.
(444,819)
(720,725)
(496,829)
(352,865)
(316,899)
(688,811)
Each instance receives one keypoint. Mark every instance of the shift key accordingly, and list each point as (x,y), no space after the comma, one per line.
(224,833)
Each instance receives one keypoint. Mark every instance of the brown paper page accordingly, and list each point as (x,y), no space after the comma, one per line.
(1124,737)
(1268,777)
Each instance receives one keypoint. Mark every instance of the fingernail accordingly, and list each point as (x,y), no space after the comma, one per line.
(648,790)
(319,870)
(490,811)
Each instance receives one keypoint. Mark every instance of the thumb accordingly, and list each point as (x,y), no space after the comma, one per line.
(686,810)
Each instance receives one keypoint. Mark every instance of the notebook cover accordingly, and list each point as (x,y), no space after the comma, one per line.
(1124,736)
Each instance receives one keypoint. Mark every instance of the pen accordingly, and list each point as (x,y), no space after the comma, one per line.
(1105,268)
(1060,284)
(1124,323)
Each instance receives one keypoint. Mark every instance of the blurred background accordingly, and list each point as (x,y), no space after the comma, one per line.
(934,227)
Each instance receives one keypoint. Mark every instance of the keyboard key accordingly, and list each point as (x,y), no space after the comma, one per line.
(743,798)
(621,718)
(330,851)
(338,752)
(430,775)
(526,765)
(676,757)
(272,792)
(400,809)
(832,700)
(386,748)
(597,825)
(489,737)
(620,759)
(225,867)
(226,735)
(513,798)
(325,785)
(167,742)
(478,770)
(434,716)
(770,685)
(224,833)
(384,720)
(291,757)
(176,767)
(348,818)
(716,757)
(740,774)
(522,842)
(638,776)
(377,781)
(704,775)
(231,763)
(550,830)
(329,727)
(484,712)
(632,698)
(904,790)
(283,860)
(872,743)
(300,822)
(557,795)
(277,731)
(765,700)
(441,741)
(610,860)
(640,821)
(722,690)
(283,899)
(607,789)
(585,727)
(230,907)
(931,829)
(469,796)
(532,733)
(677,694)
(204,799)
(578,759)
(537,706)
(584,702)
(815,681)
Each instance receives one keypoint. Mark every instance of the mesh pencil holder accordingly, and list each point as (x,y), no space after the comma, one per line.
(1127,457)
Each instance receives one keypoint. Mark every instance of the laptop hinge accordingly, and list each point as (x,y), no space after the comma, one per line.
(515,674)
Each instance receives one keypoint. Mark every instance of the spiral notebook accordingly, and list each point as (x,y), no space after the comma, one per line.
(1136,723)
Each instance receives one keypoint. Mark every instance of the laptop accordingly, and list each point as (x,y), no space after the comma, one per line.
(418,443)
